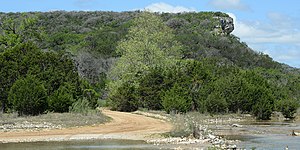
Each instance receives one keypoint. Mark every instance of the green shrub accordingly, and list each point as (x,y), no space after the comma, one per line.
(62,98)
(124,99)
(176,99)
(28,96)
(81,106)
(92,96)
(215,103)
(263,107)
(150,88)
(288,107)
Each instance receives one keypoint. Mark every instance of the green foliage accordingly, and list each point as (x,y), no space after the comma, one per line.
(104,40)
(216,103)
(28,96)
(62,98)
(64,41)
(288,107)
(56,71)
(124,99)
(155,57)
(264,104)
(92,96)
(81,106)
(176,100)
(14,63)
(149,43)
(14,31)
(150,89)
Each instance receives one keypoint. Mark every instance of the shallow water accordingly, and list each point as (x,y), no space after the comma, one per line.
(81,145)
(267,142)
(273,136)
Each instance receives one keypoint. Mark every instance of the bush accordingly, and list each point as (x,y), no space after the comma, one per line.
(288,107)
(62,98)
(176,99)
(150,88)
(81,106)
(28,96)
(215,103)
(124,99)
(92,96)
(263,107)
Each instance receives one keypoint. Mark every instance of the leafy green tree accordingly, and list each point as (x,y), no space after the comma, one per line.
(264,104)
(125,99)
(216,103)
(103,41)
(288,107)
(14,31)
(62,98)
(91,96)
(176,99)
(149,43)
(28,96)
(14,63)
(150,89)
(50,68)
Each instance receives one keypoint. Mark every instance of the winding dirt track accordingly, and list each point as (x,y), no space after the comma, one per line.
(122,126)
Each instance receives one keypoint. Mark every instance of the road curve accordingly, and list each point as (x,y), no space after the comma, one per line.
(123,126)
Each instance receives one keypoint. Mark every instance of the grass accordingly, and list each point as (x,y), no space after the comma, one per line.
(61,120)
(186,124)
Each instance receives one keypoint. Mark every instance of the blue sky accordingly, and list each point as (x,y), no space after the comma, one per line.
(268,26)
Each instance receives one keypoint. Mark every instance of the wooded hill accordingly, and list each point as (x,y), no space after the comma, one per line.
(178,62)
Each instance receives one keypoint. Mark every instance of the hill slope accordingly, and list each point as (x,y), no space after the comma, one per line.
(214,66)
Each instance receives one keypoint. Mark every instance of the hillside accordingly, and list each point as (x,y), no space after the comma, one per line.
(91,40)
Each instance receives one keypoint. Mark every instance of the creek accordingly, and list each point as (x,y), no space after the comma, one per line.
(264,135)
(80,145)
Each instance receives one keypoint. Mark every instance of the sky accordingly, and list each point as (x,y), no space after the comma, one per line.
(268,26)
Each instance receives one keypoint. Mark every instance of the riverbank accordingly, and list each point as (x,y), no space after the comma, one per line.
(178,131)
(13,123)
(122,126)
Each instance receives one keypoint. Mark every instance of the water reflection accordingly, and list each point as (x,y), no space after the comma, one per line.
(80,145)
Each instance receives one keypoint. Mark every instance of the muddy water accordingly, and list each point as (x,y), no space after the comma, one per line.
(264,135)
(81,145)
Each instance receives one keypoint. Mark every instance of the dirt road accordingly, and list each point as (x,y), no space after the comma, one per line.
(122,126)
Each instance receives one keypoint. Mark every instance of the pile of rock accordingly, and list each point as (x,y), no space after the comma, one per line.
(204,135)
(219,142)
(176,140)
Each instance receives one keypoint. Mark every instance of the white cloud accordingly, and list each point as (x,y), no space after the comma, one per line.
(278,37)
(163,7)
(229,4)
(267,32)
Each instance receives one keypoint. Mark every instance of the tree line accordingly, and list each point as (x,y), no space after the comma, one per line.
(53,61)
(153,73)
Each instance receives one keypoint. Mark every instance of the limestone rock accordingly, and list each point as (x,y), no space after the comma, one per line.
(225,27)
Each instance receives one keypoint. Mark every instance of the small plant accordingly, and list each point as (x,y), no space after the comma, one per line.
(61,99)
(82,106)
(176,99)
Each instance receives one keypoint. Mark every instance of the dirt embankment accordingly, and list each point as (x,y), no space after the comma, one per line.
(122,126)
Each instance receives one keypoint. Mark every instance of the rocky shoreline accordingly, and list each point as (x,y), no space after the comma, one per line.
(27,126)
(204,137)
